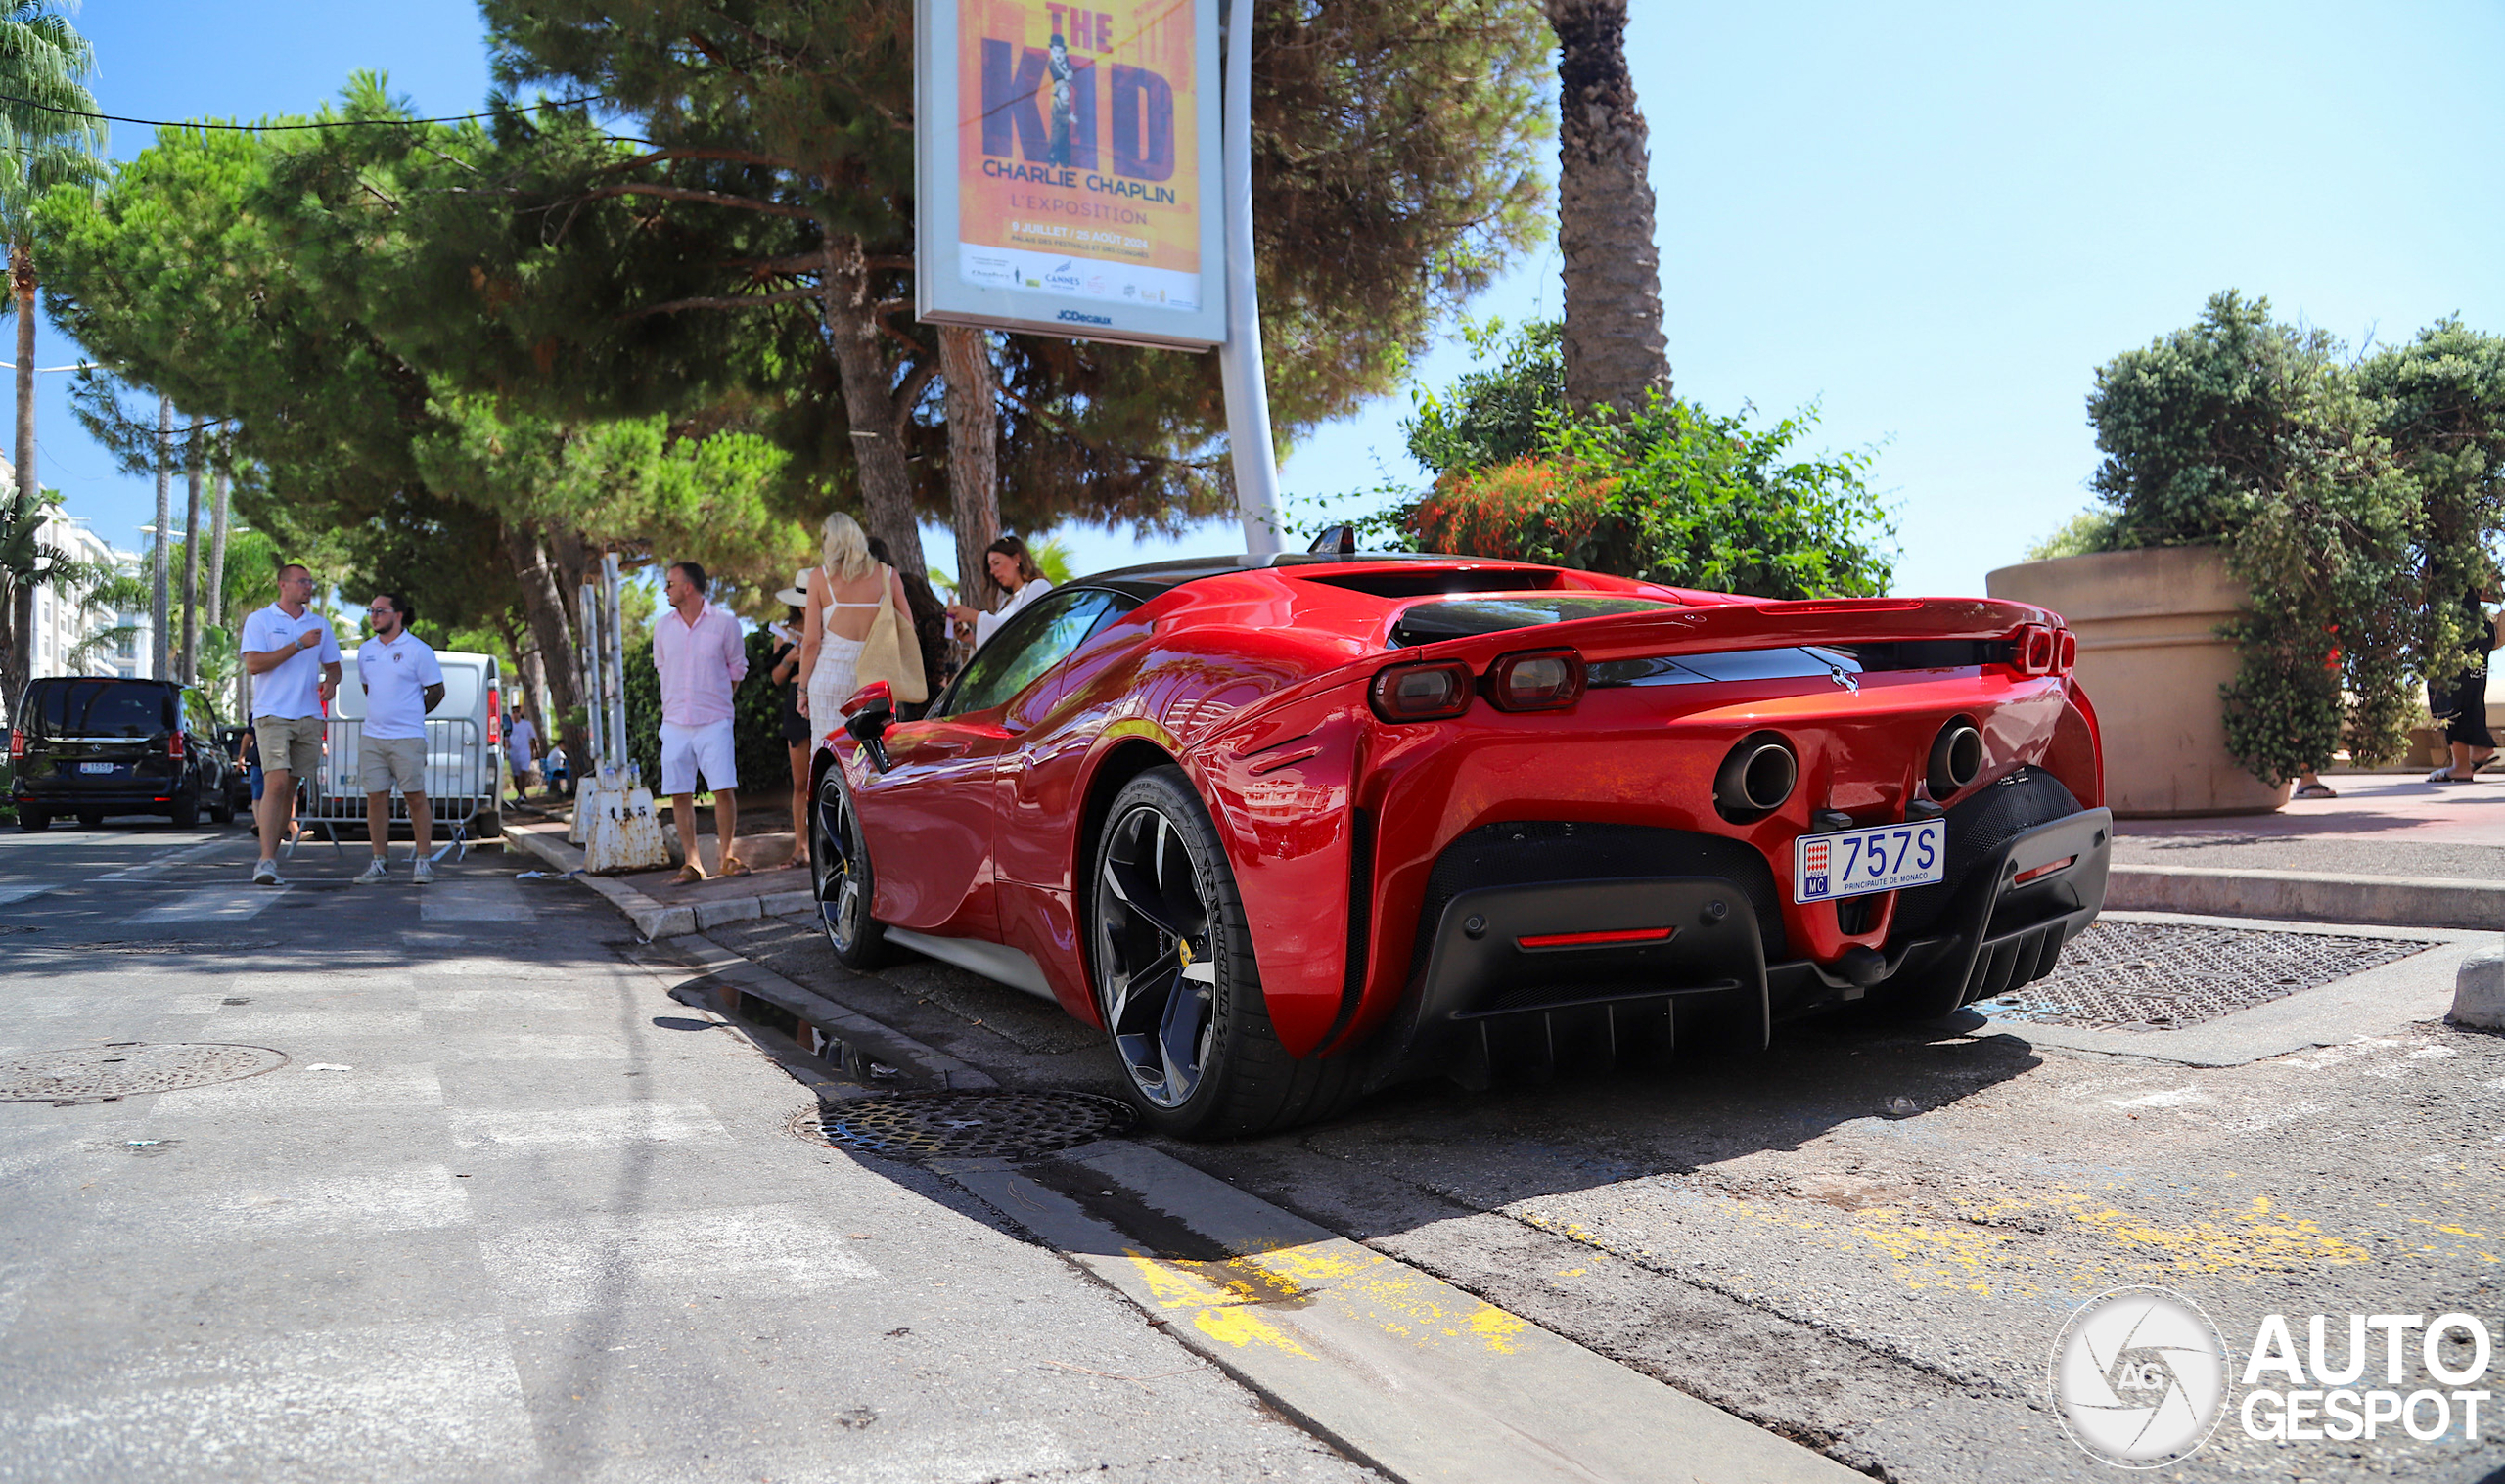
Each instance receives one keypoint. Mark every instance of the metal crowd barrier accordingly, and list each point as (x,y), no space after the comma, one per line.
(462,781)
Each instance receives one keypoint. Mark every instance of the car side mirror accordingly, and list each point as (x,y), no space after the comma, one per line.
(867,717)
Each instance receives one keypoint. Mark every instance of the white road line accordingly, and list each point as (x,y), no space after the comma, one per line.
(166,863)
(214,904)
(9,894)
(592,1263)
(585,1128)
(295,1090)
(469,903)
(417,1199)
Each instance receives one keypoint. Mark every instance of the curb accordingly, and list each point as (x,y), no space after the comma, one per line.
(652,919)
(1402,1370)
(2315,896)
(839,1030)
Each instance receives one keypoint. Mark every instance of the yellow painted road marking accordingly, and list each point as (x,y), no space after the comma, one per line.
(1224,1298)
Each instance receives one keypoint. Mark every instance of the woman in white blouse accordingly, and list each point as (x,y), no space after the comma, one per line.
(1013,569)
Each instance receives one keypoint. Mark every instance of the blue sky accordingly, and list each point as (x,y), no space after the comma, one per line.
(1934,221)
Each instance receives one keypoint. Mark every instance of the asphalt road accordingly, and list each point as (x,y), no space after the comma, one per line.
(500,1209)
(1761,1233)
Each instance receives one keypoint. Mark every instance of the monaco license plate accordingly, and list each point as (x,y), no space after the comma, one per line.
(1852,863)
(96,766)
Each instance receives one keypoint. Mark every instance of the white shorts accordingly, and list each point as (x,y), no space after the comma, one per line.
(687,751)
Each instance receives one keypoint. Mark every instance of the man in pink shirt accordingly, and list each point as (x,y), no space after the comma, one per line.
(701,658)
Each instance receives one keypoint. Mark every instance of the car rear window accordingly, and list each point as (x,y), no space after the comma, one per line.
(104,708)
(1427,622)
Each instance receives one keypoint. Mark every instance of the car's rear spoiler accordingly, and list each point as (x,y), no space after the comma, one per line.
(1723,626)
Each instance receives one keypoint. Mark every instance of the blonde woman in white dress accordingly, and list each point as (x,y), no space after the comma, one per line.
(843,600)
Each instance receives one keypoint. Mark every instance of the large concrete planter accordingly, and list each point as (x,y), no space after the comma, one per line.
(2152,661)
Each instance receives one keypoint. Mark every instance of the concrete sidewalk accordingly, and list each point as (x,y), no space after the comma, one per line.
(650,900)
(2392,850)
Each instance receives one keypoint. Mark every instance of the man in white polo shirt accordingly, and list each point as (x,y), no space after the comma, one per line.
(403,683)
(294,659)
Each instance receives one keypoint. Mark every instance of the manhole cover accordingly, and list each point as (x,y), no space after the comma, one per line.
(104,1073)
(2166,975)
(966,1125)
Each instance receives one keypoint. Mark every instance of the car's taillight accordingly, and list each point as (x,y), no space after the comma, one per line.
(2031,649)
(174,745)
(1535,680)
(2065,652)
(1438,692)
(495,717)
(16,743)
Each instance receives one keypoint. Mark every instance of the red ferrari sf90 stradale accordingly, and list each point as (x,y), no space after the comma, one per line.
(1293,827)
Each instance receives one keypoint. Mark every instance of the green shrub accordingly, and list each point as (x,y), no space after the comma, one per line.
(1674,494)
(2354,502)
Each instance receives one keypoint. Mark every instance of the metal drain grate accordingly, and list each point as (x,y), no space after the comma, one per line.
(963,1125)
(2165,977)
(104,1073)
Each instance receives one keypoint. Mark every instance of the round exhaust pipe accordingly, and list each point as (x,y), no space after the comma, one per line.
(1756,779)
(1956,756)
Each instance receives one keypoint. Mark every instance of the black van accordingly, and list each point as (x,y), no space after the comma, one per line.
(93,747)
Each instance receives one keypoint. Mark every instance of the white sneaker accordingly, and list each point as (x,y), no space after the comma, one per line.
(422,870)
(266,873)
(374,870)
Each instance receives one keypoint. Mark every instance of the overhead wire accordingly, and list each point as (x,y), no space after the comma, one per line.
(333,123)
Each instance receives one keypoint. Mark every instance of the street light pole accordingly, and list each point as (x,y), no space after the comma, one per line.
(1247,390)
(160,657)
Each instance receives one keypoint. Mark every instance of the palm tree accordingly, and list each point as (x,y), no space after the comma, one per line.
(1615,350)
(48,136)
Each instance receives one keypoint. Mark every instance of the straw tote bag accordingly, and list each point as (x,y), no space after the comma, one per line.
(890,653)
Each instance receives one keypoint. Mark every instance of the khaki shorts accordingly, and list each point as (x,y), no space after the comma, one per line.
(387,762)
(290,743)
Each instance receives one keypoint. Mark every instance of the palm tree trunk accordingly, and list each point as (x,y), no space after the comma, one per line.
(159,662)
(878,450)
(973,454)
(217,532)
(21,604)
(191,563)
(1615,353)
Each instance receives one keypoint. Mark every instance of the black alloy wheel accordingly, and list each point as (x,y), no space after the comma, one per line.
(839,875)
(1170,961)
(34,820)
(1157,973)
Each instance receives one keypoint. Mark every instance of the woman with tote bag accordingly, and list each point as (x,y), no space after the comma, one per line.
(852,601)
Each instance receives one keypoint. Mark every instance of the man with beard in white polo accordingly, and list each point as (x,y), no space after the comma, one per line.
(403,682)
(294,659)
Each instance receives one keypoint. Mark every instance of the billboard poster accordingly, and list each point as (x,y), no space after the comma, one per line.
(1067,167)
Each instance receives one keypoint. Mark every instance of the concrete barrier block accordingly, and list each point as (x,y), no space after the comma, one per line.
(2479,990)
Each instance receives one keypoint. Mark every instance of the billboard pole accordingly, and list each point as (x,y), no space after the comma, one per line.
(1247,387)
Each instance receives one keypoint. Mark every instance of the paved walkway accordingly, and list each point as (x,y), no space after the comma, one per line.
(2382,823)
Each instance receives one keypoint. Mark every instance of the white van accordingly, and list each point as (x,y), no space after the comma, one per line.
(465,750)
